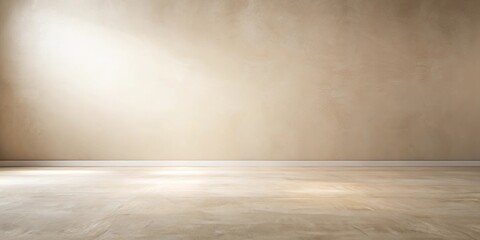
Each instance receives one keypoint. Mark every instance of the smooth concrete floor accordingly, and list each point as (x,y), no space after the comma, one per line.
(239,203)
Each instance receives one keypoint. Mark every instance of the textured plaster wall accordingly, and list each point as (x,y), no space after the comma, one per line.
(271,79)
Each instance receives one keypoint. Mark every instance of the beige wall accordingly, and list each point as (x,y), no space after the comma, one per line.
(269,79)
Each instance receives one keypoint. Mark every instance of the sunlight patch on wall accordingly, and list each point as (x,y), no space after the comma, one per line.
(95,63)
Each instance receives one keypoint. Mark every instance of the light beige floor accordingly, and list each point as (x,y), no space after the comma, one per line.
(239,203)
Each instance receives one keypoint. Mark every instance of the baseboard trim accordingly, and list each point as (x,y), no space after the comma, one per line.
(235,163)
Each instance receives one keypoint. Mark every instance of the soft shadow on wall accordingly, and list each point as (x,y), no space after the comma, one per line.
(239,80)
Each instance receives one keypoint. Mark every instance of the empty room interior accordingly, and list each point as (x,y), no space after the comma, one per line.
(239,119)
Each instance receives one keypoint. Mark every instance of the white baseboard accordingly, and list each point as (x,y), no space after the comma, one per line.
(234,163)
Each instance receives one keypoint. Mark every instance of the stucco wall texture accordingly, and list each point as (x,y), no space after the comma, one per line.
(266,79)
